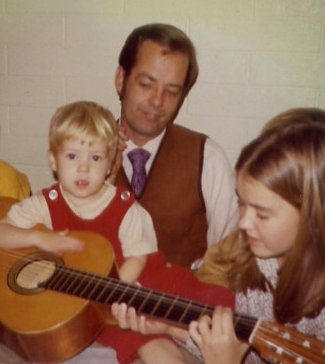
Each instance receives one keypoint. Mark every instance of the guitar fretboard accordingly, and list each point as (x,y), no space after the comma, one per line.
(162,306)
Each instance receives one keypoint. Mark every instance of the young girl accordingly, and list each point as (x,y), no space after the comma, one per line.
(83,141)
(275,263)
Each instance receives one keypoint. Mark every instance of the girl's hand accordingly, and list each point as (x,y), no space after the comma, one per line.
(216,338)
(127,318)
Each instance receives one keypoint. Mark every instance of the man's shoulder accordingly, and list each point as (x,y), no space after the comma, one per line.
(180,130)
(212,149)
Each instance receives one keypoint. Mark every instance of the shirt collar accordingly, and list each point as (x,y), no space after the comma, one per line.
(151,146)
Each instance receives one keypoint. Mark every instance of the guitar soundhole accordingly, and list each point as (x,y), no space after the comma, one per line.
(29,274)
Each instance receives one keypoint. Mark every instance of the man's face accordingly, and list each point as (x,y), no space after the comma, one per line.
(152,93)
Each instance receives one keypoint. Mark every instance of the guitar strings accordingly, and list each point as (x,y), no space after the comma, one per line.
(120,287)
(106,282)
(297,349)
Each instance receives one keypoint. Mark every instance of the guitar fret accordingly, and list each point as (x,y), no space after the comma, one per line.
(185,312)
(157,305)
(96,291)
(58,280)
(111,297)
(138,301)
(145,306)
(163,307)
(179,314)
(84,290)
(172,309)
(122,294)
(189,315)
(101,295)
(75,283)
(180,310)
(133,297)
(102,291)
(244,326)
(207,310)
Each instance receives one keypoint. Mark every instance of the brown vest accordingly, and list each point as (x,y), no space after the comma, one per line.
(173,196)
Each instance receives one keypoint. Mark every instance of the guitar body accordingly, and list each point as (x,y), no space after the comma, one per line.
(51,326)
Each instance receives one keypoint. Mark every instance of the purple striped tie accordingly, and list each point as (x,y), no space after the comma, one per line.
(138,158)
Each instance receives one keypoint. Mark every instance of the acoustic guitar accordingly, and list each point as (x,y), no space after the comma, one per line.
(51,308)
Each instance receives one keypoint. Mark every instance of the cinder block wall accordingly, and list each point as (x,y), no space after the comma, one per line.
(257,58)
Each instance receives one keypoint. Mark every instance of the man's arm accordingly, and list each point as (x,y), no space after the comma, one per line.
(218,187)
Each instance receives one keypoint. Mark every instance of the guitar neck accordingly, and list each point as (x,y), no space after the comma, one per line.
(162,306)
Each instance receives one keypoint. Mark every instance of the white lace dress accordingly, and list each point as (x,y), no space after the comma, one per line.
(259,304)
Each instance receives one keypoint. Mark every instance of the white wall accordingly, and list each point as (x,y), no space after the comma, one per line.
(257,58)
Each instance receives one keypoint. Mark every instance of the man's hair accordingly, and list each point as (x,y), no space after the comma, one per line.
(81,119)
(166,35)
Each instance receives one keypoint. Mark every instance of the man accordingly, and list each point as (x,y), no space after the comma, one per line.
(189,190)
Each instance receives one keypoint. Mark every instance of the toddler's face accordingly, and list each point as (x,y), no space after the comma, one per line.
(82,165)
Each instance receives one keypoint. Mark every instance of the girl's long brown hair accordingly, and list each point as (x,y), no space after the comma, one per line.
(290,161)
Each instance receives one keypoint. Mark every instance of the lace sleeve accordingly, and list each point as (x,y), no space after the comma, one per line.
(190,346)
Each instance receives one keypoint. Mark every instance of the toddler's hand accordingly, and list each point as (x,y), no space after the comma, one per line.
(58,243)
